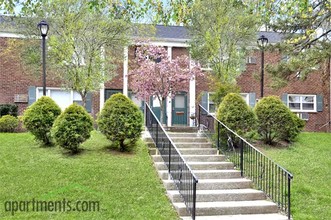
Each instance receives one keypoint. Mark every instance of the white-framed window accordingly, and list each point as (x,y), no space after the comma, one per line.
(245,96)
(302,103)
(211,105)
(62,97)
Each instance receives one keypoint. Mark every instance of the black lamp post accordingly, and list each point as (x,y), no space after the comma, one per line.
(262,42)
(43,27)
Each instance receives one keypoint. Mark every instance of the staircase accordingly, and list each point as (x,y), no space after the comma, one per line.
(221,192)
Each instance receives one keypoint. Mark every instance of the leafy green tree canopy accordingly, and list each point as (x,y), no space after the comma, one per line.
(221,31)
(305,26)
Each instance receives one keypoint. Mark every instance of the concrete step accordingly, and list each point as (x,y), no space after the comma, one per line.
(193,145)
(189,139)
(197,151)
(223,165)
(152,151)
(184,134)
(207,174)
(182,129)
(217,174)
(200,165)
(204,158)
(240,217)
(194,158)
(221,195)
(214,184)
(230,208)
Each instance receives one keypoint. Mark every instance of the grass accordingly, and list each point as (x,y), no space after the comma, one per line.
(125,185)
(309,160)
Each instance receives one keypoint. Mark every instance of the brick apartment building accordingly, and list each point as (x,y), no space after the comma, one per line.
(309,98)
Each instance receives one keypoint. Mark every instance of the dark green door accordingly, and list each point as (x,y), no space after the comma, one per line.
(179,109)
(156,108)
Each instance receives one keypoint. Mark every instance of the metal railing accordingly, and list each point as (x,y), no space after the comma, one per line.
(267,175)
(178,169)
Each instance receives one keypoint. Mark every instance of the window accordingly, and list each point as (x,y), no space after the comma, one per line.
(63,98)
(211,105)
(302,103)
(245,96)
(206,67)
(251,60)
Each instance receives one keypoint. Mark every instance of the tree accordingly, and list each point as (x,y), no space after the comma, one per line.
(155,11)
(157,75)
(306,29)
(276,121)
(83,43)
(39,118)
(236,114)
(221,30)
(72,127)
(121,121)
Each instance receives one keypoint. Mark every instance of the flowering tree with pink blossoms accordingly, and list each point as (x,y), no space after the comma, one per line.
(156,75)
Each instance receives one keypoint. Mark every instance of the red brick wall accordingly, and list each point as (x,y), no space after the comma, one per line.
(317,82)
(13,80)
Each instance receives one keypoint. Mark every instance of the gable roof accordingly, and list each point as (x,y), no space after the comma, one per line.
(172,33)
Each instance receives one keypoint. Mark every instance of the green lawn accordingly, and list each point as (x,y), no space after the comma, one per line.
(125,185)
(309,160)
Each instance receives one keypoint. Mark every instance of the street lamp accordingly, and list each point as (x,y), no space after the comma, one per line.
(262,42)
(43,27)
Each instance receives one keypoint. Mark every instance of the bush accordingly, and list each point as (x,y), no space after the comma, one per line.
(293,129)
(39,118)
(236,114)
(276,121)
(8,123)
(72,127)
(8,109)
(121,121)
(222,90)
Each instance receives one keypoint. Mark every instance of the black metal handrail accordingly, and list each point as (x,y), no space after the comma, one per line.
(178,169)
(267,175)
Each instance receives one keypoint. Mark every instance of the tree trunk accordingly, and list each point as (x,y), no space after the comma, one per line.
(162,111)
(83,95)
(122,146)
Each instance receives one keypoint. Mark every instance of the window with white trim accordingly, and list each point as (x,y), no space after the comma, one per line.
(62,97)
(211,105)
(245,96)
(302,103)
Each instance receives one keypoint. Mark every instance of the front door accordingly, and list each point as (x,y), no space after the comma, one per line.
(179,109)
(156,108)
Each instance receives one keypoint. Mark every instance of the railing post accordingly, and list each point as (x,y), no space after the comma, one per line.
(194,198)
(199,117)
(169,157)
(218,135)
(289,196)
(242,157)
(157,135)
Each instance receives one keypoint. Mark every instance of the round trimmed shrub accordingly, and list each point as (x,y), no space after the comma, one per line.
(8,123)
(276,121)
(121,121)
(236,114)
(39,118)
(72,127)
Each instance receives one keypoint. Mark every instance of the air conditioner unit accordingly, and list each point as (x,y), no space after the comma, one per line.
(251,60)
(303,115)
(19,98)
